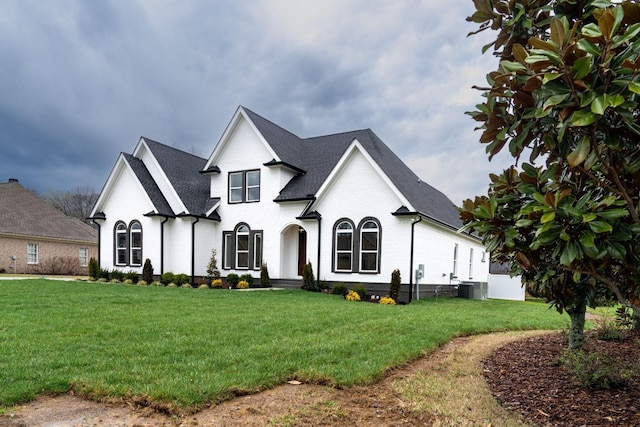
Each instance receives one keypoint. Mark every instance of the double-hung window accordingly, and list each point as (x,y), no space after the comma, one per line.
(127,242)
(369,246)
(121,243)
(242,248)
(344,246)
(32,253)
(244,186)
(135,232)
(83,256)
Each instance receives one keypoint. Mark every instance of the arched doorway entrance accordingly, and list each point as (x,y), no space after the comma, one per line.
(294,251)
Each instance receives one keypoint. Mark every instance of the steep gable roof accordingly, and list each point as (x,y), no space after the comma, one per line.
(182,169)
(319,155)
(22,213)
(160,203)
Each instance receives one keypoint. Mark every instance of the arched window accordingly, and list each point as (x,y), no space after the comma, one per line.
(135,241)
(369,246)
(242,247)
(343,246)
(120,243)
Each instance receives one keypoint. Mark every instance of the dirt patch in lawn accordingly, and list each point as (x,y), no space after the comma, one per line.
(444,388)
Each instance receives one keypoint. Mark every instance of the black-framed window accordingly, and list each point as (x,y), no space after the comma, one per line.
(369,246)
(343,240)
(120,243)
(135,243)
(242,248)
(127,243)
(244,186)
(357,249)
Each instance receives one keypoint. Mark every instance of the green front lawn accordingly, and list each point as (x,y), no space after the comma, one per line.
(188,347)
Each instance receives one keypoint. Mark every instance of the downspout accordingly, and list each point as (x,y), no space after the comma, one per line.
(166,218)
(99,246)
(193,249)
(319,239)
(413,224)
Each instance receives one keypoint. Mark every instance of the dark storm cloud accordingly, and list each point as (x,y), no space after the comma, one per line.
(81,81)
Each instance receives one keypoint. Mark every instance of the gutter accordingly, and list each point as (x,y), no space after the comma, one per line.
(166,218)
(193,249)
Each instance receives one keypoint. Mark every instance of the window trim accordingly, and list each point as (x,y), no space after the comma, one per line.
(83,258)
(244,186)
(116,248)
(336,251)
(132,249)
(377,251)
(31,254)
(239,232)
(230,252)
(470,263)
(455,261)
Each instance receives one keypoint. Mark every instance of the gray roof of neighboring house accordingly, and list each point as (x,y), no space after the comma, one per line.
(318,156)
(25,214)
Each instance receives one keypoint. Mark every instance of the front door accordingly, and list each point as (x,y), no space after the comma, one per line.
(302,250)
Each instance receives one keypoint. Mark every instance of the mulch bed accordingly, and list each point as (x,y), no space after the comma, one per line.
(526,376)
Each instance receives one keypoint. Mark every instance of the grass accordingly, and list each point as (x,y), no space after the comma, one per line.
(187,347)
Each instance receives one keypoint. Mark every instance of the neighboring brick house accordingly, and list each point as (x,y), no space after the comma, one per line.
(37,238)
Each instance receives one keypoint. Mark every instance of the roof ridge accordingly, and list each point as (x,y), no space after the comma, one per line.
(172,148)
(338,134)
(270,122)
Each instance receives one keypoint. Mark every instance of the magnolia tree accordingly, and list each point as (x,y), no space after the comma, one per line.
(565,95)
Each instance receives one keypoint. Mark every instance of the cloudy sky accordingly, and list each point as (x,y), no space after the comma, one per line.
(81,81)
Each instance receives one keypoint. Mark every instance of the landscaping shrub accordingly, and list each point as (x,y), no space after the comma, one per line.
(308,279)
(340,289)
(212,268)
(157,283)
(2,271)
(167,277)
(142,283)
(217,283)
(265,282)
(59,266)
(322,285)
(185,285)
(147,271)
(242,284)
(387,301)
(172,285)
(352,296)
(117,275)
(103,274)
(203,286)
(233,279)
(128,282)
(360,290)
(597,371)
(94,268)
(131,275)
(394,289)
(611,330)
(247,278)
(182,279)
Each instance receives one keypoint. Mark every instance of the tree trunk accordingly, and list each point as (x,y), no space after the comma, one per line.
(577,314)
(635,318)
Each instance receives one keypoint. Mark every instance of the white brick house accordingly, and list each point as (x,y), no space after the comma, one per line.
(344,202)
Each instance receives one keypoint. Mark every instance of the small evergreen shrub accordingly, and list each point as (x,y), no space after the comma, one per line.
(114,281)
(104,274)
(157,283)
(217,283)
(182,279)
(172,285)
(340,289)
(597,371)
(167,278)
(212,268)
(360,290)
(147,271)
(185,285)
(242,284)
(101,280)
(247,278)
(611,330)
(394,289)
(265,282)
(233,279)
(308,279)
(387,301)
(352,296)
(128,282)
(131,275)
(117,275)
(94,269)
(322,285)
(203,286)
(142,283)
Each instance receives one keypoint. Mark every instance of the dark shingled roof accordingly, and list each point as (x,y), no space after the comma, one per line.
(318,156)
(150,186)
(183,171)
(25,214)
